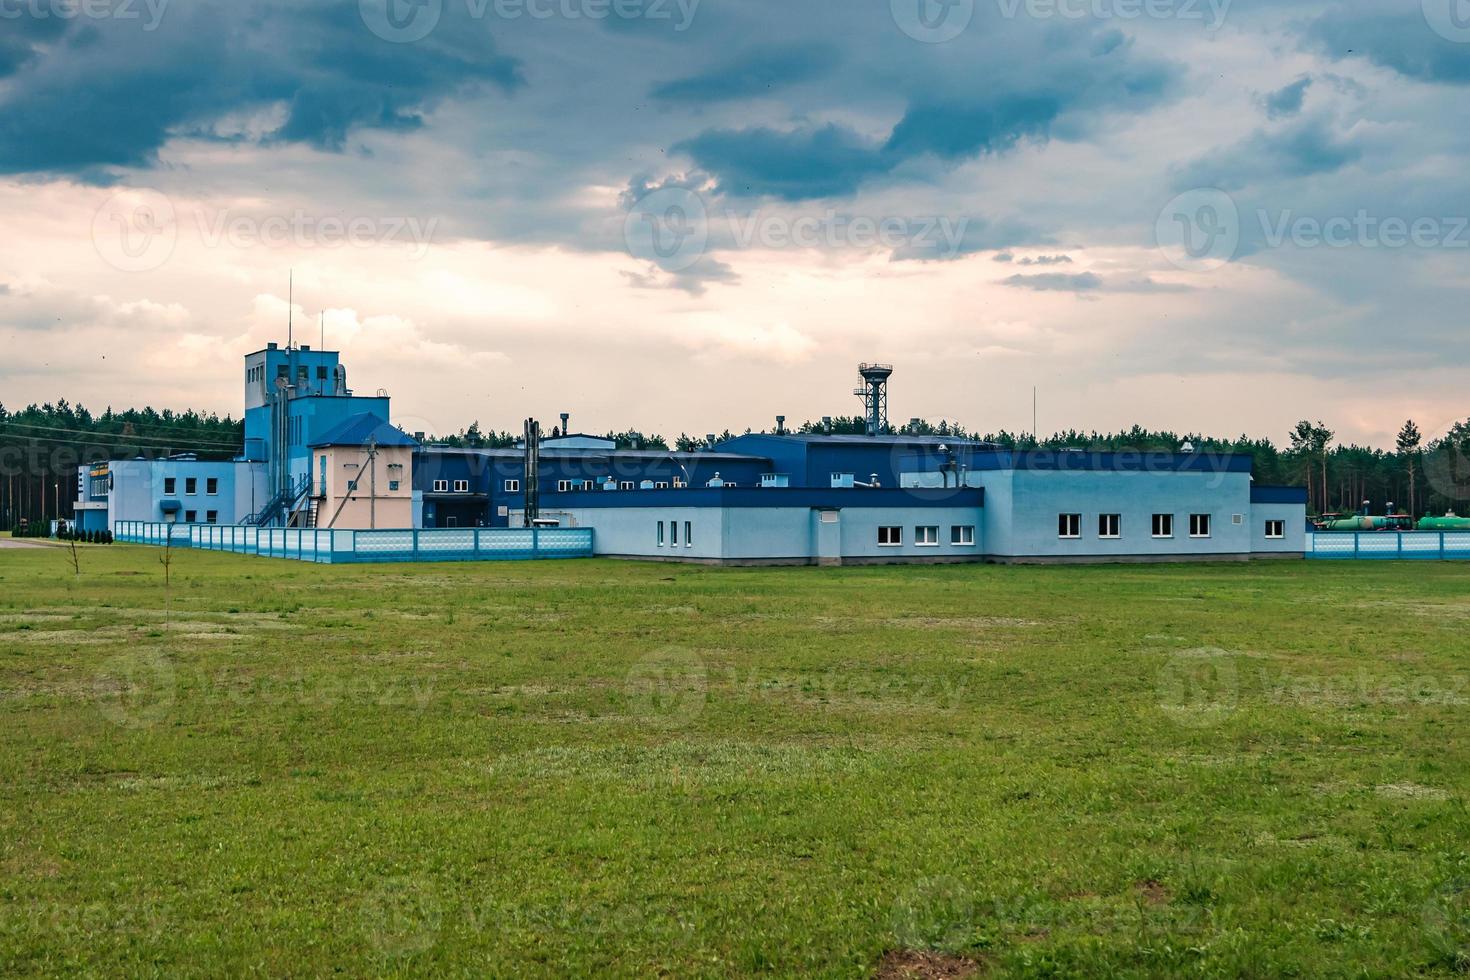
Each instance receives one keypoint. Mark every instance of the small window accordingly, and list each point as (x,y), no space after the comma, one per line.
(660,534)
(1110,525)
(1199,525)
(1163,525)
(441,486)
(926,536)
(730,483)
(461,486)
(661,485)
(211,517)
(191,485)
(626,485)
(962,534)
(1069,525)
(842,479)
(211,486)
(169,483)
(321,374)
(512,486)
(890,537)
(392,485)
(562,486)
(688,534)
(1237,519)
(674,533)
(1276,530)
(190,516)
(679,484)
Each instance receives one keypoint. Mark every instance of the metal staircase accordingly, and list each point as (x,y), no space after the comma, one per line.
(281,506)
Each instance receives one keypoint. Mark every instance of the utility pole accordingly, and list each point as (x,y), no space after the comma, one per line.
(373,482)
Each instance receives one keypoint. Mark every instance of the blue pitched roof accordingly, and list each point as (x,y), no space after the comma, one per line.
(361,429)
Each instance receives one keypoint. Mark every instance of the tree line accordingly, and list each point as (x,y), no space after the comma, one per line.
(41,447)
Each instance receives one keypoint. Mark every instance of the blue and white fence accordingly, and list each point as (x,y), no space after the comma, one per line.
(1391,545)
(333,546)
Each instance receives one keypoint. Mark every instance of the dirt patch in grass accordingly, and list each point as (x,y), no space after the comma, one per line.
(1153,892)
(913,964)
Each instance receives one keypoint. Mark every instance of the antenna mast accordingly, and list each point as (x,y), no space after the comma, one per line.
(290,305)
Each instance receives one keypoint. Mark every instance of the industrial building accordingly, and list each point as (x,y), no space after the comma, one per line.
(316,455)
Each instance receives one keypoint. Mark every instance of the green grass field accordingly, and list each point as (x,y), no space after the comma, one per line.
(579,768)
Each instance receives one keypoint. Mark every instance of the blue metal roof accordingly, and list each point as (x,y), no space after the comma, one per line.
(823,497)
(1278,495)
(361,429)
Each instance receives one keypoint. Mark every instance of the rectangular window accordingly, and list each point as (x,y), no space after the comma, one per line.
(211,485)
(1276,529)
(1237,519)
(926,537)
(679,484)
(660,534)
(169,483)
(661,485)
(191,484)
(1069,525)
(512,486)
(626,485)
(1199,525)
(321,374)
(890,537)
(441,486)
(392,485)
(1110,525)
(211,516)
(461,486)
(562,486)
(962,534)
(842,479)
(674,533)
(688,534)
(190,516)
(1163,525)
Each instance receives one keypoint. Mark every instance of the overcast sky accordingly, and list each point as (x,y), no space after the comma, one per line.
(687,215)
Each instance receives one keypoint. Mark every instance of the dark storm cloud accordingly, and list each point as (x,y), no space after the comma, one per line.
(759,71)
(1394,35)
(115,103)
(968,109)
(1302,148)
(1285,102)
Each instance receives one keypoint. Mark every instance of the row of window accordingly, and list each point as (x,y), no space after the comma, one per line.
(191,485)
(460,486)
(192,517)
(1110,526)
(927,536)
(674,534)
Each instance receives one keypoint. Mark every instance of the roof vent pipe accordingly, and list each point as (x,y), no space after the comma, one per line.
(566,418)
(780,425)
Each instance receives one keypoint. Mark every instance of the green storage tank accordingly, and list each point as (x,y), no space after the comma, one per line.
(1447,523)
